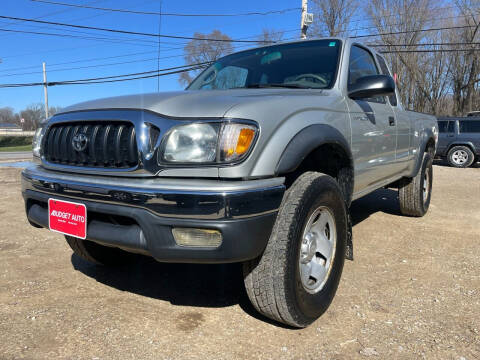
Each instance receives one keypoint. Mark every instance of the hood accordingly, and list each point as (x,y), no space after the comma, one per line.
(190,104)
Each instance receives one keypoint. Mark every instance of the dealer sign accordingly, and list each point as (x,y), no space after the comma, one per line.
(67,218)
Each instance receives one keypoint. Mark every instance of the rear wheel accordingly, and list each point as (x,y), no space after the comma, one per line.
(296,278)
(414,193)
(98,254)
(460,157)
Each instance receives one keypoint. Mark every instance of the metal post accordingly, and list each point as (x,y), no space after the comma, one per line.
(45,89)
(159,42)
(303,27)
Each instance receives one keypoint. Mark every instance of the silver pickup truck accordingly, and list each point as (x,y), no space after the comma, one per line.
(257,162)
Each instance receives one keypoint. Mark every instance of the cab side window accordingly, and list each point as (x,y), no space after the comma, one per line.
(362,64)
(385,71)
(442,126)
(446,126)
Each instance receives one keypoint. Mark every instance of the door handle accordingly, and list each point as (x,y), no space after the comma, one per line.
(391,121)
(362,118)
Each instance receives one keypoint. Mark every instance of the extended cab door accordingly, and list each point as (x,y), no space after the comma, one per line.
(403,155)
(373,126)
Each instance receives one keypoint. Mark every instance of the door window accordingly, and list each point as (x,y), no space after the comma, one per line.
(362,64)
(470,126)
(442,126)
(451,126)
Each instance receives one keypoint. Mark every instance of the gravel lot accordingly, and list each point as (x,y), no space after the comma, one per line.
(413,291)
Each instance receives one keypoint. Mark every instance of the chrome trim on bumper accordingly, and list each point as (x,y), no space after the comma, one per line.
(179,198)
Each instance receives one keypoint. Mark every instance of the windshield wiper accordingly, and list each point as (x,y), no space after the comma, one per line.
(275,85)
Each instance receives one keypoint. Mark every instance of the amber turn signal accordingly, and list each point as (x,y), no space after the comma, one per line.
(236,141)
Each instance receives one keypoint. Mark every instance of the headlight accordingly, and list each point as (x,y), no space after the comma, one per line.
(208,143)
(195,143)
(37,141)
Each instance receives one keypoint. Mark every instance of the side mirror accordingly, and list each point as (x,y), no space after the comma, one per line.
(371,86)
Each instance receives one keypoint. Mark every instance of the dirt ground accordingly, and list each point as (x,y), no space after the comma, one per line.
(412,292)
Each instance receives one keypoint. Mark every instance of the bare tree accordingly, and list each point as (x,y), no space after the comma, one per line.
(269,36)
(332,17)
(466,64)
(200,51)
(32,115)
(399,22)
(7,115)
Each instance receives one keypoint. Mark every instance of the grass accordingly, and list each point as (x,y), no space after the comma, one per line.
(16,148)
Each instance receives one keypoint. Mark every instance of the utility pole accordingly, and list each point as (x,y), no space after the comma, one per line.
(306,20)
(45,89)
(159,43)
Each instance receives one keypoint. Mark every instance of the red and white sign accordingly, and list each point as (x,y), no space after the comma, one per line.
(67,218)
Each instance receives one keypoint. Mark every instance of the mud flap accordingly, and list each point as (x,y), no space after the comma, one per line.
(349,252)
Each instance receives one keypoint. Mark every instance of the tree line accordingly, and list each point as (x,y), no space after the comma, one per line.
(32,116)
(438,79)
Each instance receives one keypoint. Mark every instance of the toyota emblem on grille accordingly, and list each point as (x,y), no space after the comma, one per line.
(79,142)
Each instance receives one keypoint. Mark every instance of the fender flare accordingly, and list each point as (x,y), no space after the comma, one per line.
(305,141)
(462,143)
(419,160)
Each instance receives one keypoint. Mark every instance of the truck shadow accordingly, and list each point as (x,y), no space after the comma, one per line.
(381,200)
(202,285)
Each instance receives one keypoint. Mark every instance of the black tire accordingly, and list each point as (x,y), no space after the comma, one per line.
(98,254)
(273,281)
(411,190)
(463,161)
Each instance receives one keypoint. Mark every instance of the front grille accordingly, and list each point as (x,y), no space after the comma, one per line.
(103,144)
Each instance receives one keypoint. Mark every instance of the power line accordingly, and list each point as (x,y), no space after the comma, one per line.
(107,79)
(125,55)
(88,80)
(282,11)
(79,61)
(130,41)
(92,66)
(155,58)
(412,31)
(177,69)
(428,51)
(397,24)
(126,31)
(424,44)
(82,67)
(132,78)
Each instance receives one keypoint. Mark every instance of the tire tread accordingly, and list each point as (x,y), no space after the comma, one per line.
(264,283)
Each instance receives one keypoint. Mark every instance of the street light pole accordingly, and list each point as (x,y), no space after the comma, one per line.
(45,89)
(307,19)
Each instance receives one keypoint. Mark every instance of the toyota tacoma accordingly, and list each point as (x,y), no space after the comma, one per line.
(257,161)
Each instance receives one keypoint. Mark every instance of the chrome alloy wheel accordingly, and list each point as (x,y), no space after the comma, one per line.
(460,157)
(317,250)
(426,186)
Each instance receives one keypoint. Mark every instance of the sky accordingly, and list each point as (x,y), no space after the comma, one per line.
(24,53)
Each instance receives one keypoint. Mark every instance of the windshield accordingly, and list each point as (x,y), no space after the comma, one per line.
(310,64)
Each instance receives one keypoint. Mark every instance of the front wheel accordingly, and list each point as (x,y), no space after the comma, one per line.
(296,278)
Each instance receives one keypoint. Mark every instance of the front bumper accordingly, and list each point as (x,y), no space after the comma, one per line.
(138,214)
